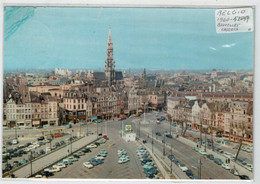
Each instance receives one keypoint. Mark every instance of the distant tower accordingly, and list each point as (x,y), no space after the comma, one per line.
(110,63)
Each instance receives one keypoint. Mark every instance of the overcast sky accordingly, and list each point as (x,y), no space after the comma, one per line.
(152,38)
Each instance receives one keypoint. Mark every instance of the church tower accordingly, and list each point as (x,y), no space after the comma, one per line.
(110,63)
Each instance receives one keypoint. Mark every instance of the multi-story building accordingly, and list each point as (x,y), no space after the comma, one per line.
(78,105)
(36,111)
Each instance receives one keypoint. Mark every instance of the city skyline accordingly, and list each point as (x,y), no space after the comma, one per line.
(154,38)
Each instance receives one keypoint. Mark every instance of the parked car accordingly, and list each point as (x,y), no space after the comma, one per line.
(62,142)
(234,171)
(67,161)
(158,134)
(59,165)
(57,135)
(243,177)
(57,144)
(86,150)
(14,141)
(202,152)
(171,157)
(89,132)
(42,152)
(76,155)
(16,164)
(47,173)
(168,135)
(226,166)
(84,123)
(105,137)
(210,156)
(183,167)
(41,138)
(88,165)
(218,161)
(91,146)
(189,173)
(23,160)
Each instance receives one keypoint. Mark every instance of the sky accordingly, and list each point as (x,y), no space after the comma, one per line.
(151,38)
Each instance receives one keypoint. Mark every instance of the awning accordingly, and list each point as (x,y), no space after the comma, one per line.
(94,118)
(154,108)
(122,116)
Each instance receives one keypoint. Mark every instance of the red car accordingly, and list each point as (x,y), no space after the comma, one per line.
(57,135)
(105,137)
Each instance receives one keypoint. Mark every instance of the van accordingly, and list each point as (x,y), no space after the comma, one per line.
(14,141)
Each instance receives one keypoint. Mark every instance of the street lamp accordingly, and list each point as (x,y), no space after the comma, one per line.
(97,129)
(171,159)
(164,144)
(152,141)
(31,161)
(199,167)
(71,142)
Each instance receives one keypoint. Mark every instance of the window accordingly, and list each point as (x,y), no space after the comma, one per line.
(78,106)
(82,106)
(74,107)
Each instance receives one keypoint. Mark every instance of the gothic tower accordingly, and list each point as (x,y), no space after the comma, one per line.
(110,63)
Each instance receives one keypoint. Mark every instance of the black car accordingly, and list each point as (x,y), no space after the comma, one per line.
(8,167)
(145,161)
(47,173)
(62,142)
(57,144)
(177,162)
(75,137)
(158,134)
(189,173)
(171,157)
(28,144)
(96,143)
(163,118)
(87,150)
(30,157)
(210,156)
(16,164)
(21,152)
(8,143)
(41,138)
(243,177)
(42,151)
(169,136)
(9,150)
(76,156)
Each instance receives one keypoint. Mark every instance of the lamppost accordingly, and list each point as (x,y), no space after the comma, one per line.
(139,130)
(199,167)
(97,129)
(164,144)
(31,161)
(71,142)
(79,128)
(171,159)
(152,141)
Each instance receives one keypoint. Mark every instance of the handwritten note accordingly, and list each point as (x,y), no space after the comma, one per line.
(234,20)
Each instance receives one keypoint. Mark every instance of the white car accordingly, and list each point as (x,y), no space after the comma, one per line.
(59,165)
(52,170)
(91,146)
(123,160)
(14,141)
(88,165)
(234,171)
(80,153)
(99,157)
(73,159)
(183,167)
(226,166)
(202,152)
(38,176)
(249,167)
(48,149)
